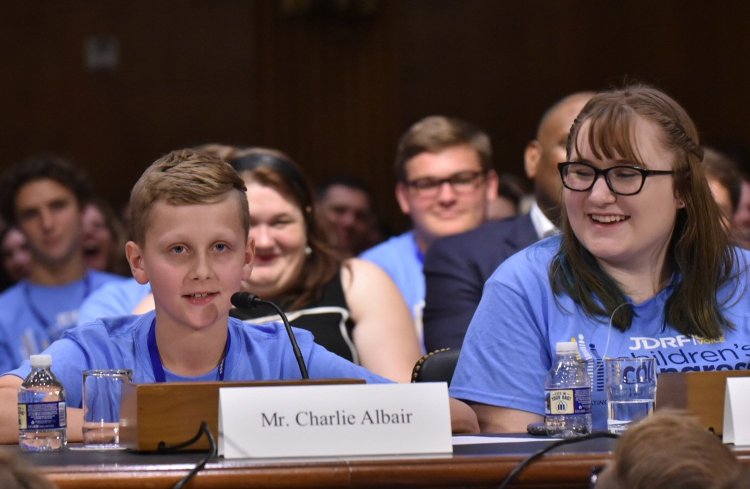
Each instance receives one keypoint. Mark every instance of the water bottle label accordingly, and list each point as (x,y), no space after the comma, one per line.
(576,400)
(42,415)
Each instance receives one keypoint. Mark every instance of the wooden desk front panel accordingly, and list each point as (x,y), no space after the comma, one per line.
(476,466)
(560,472)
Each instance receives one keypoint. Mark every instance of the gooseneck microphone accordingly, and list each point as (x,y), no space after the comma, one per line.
(246,301)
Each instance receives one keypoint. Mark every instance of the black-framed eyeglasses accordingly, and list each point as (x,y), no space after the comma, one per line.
(462,182)
(621,180)
(594,477)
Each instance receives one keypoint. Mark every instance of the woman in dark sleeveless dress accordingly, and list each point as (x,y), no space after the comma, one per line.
(352,307)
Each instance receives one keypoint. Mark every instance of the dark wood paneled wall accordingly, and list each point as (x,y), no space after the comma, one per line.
(335,88)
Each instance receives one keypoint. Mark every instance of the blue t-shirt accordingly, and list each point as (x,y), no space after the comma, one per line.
(402,260)
(33,316)
(511,340)
(113,299)
(255,353)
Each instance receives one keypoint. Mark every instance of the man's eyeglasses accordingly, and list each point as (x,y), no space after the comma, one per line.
(621,180)
(461,183)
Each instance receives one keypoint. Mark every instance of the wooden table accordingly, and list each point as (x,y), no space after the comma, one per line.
(471,466)
(482,465)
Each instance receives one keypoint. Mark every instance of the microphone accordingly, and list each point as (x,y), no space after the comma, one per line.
(246,300)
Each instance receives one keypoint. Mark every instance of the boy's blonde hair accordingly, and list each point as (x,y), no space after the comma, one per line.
(185,177)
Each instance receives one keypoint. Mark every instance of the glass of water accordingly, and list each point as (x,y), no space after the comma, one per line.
(631,391)
(101,406)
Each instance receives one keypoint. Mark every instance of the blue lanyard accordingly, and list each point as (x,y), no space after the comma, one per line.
(153,351)
(38,315)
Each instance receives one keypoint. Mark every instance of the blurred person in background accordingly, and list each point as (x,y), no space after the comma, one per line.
(444,182)
(104,238)
(351,306)
(345,210)
(741,218)
(44,196)
(725,182)
(455,277)
(16,256)
(510,194)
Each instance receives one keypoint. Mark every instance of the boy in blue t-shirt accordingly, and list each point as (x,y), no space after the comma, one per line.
(190,224)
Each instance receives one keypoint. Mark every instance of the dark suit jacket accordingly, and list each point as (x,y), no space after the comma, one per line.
(456,268)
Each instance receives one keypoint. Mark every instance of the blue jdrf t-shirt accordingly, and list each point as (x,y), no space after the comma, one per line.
(511,340)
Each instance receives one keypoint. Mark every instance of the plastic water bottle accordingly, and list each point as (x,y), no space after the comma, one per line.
(42,419)
(567,393)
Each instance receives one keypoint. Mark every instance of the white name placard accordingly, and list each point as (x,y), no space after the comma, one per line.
(334,420)
(736,409)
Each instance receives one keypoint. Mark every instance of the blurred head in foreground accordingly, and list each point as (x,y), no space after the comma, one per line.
(667,450)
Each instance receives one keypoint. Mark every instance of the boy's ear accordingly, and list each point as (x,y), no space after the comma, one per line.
(247,268)
(135,258)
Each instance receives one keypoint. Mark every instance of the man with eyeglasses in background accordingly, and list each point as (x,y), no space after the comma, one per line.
(456,267)
(444,181)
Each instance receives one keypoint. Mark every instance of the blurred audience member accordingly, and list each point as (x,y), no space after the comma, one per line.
(510,193)
(16,255)
(670,450)
(346,213)
(455,278)
(44,197)
(104,239)
(741,217)
(352,308)
(724,180)
(444,181)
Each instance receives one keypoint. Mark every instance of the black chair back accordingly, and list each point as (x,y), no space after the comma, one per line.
(436,366)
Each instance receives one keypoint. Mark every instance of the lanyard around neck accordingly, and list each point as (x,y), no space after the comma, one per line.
(158,368)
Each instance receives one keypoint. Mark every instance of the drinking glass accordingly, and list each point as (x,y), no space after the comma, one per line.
(101,406)
(631,391)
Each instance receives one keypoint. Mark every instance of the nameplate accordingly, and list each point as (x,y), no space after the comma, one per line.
(334,420)
(736,409)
